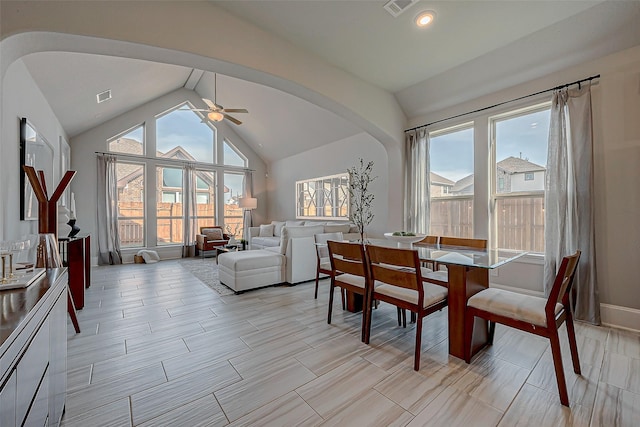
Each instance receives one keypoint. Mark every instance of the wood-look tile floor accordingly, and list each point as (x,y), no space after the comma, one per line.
(159,348)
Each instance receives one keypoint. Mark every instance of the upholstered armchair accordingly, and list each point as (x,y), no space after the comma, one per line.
(210,237)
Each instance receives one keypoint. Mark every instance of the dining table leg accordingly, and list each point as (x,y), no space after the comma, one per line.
(464,282)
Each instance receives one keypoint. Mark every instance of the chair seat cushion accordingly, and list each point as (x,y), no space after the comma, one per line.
(351,279)
(437,276)
(432,293)
(526,308)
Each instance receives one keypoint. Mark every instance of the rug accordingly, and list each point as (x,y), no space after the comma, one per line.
(206,270)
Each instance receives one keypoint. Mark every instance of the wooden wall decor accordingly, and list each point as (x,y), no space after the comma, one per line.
(47,207)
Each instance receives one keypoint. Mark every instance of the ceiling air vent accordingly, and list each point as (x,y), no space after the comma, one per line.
(103,96)
(396,7)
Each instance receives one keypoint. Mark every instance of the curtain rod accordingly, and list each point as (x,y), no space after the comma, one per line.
(578,82)
(182,162)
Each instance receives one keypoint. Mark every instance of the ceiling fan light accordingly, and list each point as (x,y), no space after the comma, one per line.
(215,116)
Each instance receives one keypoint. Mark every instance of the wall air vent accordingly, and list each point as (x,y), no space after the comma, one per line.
(103,96)
(396,7)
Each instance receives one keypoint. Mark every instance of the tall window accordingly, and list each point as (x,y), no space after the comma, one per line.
(130,142)
(206,197)
(451,181)
(233,189)
(324,197)
(180,134)
(520,153)
(131,197)
(169,205)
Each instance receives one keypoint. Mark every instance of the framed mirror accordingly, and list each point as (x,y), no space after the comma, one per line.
(35,151)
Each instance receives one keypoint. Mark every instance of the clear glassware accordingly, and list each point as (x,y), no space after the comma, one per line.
(15,247)
(47,255)
(4,253)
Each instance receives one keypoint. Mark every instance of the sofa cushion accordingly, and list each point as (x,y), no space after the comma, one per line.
(337,228)
(294,223)
(266,241)
(277,229)
(266,230)
(213,233)
(293,232)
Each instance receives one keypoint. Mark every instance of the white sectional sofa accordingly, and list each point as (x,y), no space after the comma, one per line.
(289,257)
(265,236)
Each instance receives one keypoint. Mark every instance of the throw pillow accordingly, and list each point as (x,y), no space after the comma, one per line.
(277,230)
(292,223)
(213,233)
(337,228)
(266,230)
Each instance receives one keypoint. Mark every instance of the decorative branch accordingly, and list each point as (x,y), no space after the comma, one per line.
(361,199)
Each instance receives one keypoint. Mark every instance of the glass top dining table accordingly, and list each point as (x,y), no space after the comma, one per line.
(457,255)
(468,274)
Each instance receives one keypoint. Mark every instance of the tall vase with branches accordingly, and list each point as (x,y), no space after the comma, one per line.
(360,177)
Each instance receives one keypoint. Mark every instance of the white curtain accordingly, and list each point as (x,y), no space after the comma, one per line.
(246,215)
(569,220)
(417,181)
(107,209)
(190,221)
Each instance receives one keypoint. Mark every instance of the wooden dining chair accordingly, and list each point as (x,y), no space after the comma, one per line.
(539,316)
(349,272)
(441,277)
(398,281)
(323,265)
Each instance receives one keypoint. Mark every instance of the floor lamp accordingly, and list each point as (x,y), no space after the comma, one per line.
(248,204)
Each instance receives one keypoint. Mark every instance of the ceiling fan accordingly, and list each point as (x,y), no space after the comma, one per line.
(217,112)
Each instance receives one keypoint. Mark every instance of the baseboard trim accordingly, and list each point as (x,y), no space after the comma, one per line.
(620,317)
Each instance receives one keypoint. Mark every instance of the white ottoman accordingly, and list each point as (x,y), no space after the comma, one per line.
(243,270)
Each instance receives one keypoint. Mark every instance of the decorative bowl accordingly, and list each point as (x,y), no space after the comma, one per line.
(405,241)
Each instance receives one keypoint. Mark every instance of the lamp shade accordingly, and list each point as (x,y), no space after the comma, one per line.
(248,202)
(215,116)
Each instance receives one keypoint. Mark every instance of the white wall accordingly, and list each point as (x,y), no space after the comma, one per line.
(332,159)
(21,97)
(616,109)
(83,159)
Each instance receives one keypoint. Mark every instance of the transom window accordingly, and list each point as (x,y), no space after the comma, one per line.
(233,156)
(181,134)
(129,142)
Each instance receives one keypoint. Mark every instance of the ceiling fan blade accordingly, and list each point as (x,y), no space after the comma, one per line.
(232,119)
(235,110)
(210,103)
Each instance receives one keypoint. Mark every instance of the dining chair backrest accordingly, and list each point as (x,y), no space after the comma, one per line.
(398,267)
(321,243)
(348,258)
(563,282)
(428,240)
(464,242)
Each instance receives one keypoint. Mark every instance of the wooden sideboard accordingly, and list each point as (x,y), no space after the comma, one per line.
(33,352)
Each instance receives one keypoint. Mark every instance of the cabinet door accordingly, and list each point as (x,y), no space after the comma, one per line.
(58,359)
(31,369)
(39,411)
(8,402)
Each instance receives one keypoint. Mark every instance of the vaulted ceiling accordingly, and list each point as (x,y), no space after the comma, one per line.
(470,42)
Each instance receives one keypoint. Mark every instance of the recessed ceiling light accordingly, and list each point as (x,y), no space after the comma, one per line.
(425,18)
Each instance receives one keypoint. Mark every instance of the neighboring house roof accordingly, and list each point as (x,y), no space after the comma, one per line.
(440,180)
(177,153)
(463,184)
(517,165)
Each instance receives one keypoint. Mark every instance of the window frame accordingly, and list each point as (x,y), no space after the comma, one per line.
(494,196)
(342,175)
(447,195)
(145,216)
